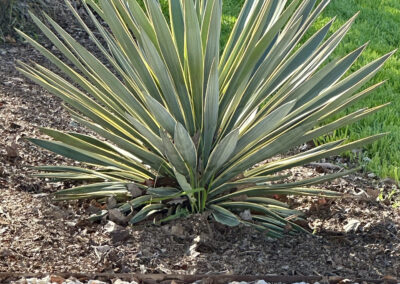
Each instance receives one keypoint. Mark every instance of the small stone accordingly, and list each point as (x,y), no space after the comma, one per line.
(177,230)
(12,150)
(134,190)
(111,227)
(119,281)
(71,223)
(119,236)
(352,225)
(116,216)
(143,269)
(372,175)
(246,215)
(111,202)
(261,282)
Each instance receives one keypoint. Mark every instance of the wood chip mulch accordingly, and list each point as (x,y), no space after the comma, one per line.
(356,237)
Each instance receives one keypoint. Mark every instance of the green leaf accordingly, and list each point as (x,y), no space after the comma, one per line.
(145,212)
(163,117)
(174,157)
(221,153)
(184,144)
(211,110)
(163,191)
(194,59)
(224,216)
(186,187)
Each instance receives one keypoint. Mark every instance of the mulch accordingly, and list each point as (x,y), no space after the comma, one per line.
(356,237)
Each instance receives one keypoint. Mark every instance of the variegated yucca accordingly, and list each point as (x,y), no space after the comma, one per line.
(189,128)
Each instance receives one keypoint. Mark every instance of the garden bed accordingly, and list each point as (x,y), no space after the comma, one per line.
(40,236)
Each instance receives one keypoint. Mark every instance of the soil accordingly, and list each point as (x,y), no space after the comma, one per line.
(355,236)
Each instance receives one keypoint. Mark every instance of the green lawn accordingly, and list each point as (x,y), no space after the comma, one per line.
(379,23)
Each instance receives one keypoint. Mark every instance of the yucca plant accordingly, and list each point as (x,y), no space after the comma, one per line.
(189,128)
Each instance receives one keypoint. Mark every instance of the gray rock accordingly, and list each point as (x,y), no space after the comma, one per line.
(260,282)
(352,225)
(119,236)
(116,216)
(119,281)
(96,282)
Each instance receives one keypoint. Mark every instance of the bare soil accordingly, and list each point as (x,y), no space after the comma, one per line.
(39,235)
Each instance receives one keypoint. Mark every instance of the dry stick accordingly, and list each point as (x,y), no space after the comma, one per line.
(5,277)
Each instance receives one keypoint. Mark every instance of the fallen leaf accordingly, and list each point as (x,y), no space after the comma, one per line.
(371,194)
(101,250)
(56,279)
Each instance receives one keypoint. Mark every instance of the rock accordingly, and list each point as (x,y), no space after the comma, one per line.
(134,190)
(372,175)
(260,282)
(143,269)
(12,150)
(352,225)
(119,281)
(246,215)
(177,230)
(192,249)
(71,223)
(119,236)
(111,227)
(116,216)
(111,202)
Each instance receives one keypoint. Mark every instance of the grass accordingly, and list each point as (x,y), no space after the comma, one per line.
(378,23)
